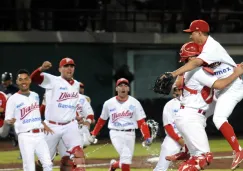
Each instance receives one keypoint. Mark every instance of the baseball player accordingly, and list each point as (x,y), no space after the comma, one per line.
(81,91)
(85,117)
(22,110)
(173,141)
(126,114)
(197,95)
(215,56)
(62,96)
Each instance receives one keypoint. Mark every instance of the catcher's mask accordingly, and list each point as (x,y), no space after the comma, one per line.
(189,49)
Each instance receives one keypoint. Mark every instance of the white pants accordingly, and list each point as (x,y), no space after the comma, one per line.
(31,144)
(191,126)
(227,100)
(124,144)
(68,134)
(62,149)
(168,147)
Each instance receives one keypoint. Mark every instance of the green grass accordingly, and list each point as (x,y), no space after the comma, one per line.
(108,151)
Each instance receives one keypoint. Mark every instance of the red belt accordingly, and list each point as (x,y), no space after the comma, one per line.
(125,130)
(199,110)
(36,130)
(60,123)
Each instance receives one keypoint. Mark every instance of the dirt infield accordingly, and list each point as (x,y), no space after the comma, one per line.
(138,162)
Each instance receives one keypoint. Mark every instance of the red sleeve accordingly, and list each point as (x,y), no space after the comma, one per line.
(98,126)
(3,101)
(170,131)
(42,109)
(91,117)
(142,125)
(36,76)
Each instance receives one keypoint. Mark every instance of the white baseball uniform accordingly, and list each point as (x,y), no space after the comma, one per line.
(122,124)
(223,65)
(84,109)
(190,119)
(60,112)
(28,126)
(169,145)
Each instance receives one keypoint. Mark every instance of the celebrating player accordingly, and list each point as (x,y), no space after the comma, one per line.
(22,110)
(198,91)
(126,114)
(62,95)
(173,141)
(215,56)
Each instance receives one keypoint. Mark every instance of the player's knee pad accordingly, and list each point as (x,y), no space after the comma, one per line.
(219,120)
(38,166)
(78,158)
(66,164)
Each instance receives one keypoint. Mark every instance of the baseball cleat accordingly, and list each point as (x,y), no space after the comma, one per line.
(111,165)
(178,156)
(238,158)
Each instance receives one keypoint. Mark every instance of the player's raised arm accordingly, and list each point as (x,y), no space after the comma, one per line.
(36,75)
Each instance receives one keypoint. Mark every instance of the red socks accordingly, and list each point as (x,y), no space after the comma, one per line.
(229,134)
(125,167)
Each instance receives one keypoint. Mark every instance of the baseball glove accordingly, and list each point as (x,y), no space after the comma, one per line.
(163,85)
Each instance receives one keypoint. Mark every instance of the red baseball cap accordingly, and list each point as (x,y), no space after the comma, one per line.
(66,61)
(122,80)
(198,25)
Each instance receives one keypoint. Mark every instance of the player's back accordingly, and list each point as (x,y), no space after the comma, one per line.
(217,58)
(61,100)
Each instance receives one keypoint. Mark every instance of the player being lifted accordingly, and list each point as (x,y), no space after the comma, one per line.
(126,114)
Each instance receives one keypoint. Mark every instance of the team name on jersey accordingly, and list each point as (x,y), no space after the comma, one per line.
(65,96)
(222,71)
(26,110)
(116,116)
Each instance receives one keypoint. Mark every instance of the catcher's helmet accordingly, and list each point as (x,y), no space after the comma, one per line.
(7,76)
(189,49)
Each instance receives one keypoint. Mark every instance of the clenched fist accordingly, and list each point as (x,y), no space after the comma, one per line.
(45,66)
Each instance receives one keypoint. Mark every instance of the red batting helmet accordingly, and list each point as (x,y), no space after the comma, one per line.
(189,49)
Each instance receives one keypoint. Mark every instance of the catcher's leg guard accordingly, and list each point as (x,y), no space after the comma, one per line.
(38,166)
(209,157)
(66,164)
(77,156)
